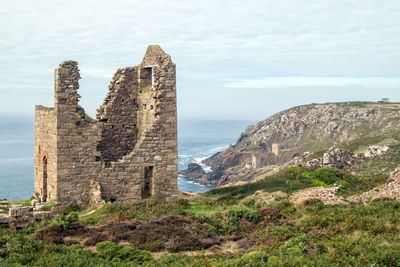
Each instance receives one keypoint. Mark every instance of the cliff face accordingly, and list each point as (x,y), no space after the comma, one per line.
(289,134)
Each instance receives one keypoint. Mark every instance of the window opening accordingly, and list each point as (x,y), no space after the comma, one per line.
(44,189)
(148,179)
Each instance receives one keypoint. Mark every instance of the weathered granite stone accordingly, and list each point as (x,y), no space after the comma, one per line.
(21,222)
(95,194)
(326,195)
(33,202)
(340,158)
(18,211)
(194,170)
(4,219)
(38,206)
(130,149)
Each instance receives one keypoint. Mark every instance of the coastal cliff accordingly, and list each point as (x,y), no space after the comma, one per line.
(308,135)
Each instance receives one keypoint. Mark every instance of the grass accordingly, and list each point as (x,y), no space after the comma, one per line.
(48,206)
(316,235)
(316,145)
(204,209)
(277,233)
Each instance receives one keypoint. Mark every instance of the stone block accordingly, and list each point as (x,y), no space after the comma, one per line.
(22,222)
(18,211)
(5,219)
(34,201)
(38,206)
(172,168)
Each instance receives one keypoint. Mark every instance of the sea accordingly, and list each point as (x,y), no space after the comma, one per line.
(197,140)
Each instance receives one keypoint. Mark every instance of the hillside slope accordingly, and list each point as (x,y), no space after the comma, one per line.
(303,133)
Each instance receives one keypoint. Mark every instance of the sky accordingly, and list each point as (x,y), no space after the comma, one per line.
(235,59)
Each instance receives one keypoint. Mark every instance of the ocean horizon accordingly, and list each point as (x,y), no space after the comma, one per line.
(197,140)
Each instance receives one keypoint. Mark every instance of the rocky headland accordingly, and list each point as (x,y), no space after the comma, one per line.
(347,135)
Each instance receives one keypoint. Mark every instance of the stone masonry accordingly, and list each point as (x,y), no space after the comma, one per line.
(275,149)
(129,152)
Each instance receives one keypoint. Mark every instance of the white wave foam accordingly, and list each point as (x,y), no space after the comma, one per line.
(206,168)
(200,156)
(217,149)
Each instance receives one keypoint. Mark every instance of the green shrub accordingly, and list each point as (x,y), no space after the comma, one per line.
(254,258)
(107,249)
(132,255)
(316,182)
(64,222)
(296,246)
(112,252)
(327,175)
(71,208)
(236,213)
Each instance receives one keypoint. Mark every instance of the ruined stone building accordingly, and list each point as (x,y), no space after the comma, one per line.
(128,152)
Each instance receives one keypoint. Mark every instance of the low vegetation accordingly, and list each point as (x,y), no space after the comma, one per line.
(223,227)
(295,178)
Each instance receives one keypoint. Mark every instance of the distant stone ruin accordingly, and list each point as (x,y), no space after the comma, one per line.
(129,152)
(275,148)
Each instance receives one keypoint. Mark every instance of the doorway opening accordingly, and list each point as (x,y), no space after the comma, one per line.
(148,179)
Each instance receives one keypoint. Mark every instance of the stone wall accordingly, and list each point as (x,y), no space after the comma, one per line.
(275,148)
(130,151)
(45,153)
(119,116)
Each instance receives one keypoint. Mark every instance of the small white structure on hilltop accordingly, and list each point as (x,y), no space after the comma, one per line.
(385,100)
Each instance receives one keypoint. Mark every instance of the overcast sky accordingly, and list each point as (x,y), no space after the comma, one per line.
(235,59)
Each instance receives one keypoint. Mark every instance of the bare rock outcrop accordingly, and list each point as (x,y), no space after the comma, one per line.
(390,190)
(341,159)
(337,158)
(326,195)
(194,170)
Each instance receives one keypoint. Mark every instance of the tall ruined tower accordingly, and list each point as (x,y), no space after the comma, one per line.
(129,152)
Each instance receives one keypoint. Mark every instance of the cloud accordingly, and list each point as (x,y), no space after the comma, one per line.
(211,41)
(97,72)
(278,82)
